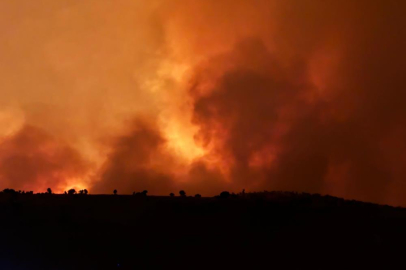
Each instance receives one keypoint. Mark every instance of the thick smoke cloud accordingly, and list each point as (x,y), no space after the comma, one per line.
(291,118)
(206,96)
(32,159)
(263,124)
(140,160)
(135,162)
(249,115)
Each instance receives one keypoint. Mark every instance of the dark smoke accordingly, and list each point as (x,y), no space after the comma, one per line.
(34,160)
(331,140)
(134,162)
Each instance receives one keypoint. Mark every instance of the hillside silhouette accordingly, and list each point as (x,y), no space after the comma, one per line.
(245,230)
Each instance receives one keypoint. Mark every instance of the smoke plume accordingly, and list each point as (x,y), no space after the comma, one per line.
(204,96)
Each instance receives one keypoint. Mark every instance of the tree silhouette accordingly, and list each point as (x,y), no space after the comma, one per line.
(224,194)
(182,193)
(9,191)
(85,191)
(71,191)
(144,193)
(115,192)
(81,192)
(49,190)
(198,196)
(172,195)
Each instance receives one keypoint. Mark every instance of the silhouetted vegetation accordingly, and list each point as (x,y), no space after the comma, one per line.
(83,192)
(141,194)
(225,195)
(182,193)
(115,192)
(172,195)
(49,190)
(9,191)
(255,229)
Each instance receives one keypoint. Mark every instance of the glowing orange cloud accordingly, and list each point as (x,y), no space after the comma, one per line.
(203,96)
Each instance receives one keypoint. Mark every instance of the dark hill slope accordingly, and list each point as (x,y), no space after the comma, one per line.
(259,230)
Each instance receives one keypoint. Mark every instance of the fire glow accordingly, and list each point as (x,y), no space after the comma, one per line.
(204,96)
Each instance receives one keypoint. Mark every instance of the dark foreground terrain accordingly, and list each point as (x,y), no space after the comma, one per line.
(267,230)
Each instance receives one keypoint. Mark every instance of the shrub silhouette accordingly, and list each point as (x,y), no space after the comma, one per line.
(49,190)
(83,192)
(115,192)
(71,191)
(182,193)
(172,195)
(224,194)
(198,196)
(140,194)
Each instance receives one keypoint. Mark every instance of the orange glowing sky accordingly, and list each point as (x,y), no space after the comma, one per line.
(204,96)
